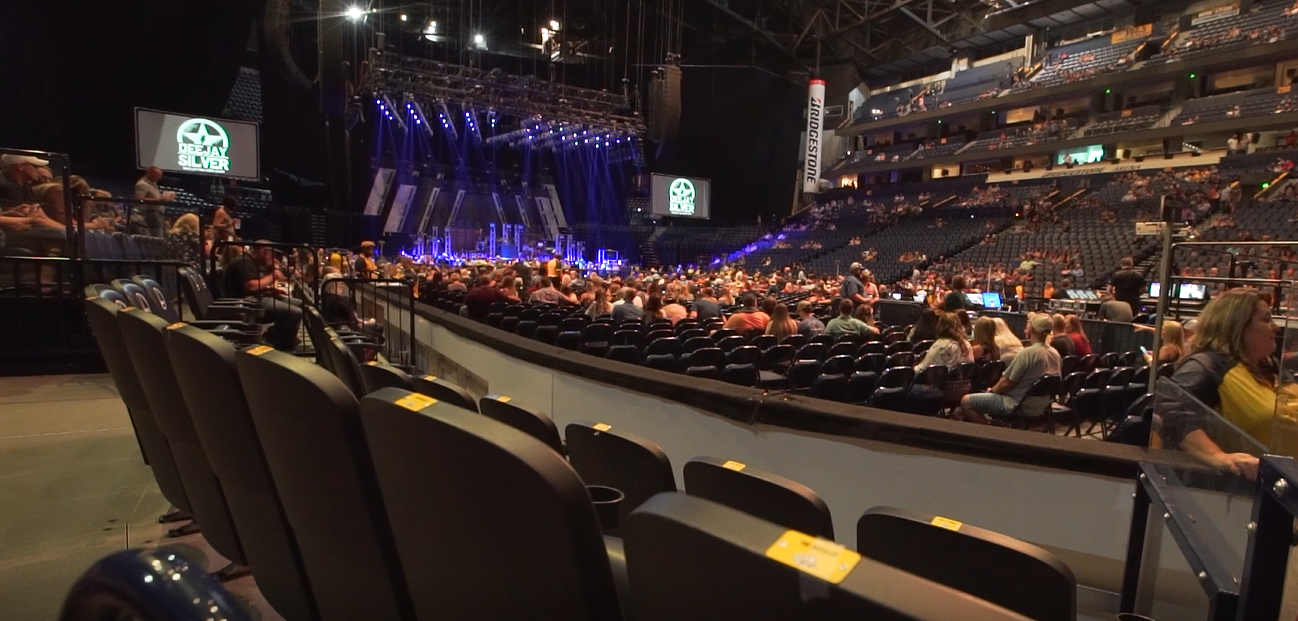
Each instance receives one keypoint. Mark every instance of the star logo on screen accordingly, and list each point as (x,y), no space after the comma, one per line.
(680,197)
(203,146)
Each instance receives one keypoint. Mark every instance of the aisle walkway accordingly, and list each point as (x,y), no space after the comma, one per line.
(73,489)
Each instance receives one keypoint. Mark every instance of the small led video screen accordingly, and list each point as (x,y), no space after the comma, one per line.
(680,197)
(992,300)
(180,143)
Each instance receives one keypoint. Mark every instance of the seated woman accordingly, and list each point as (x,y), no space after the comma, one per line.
(984,340)
(951,347)
(1232,372)
(1006,341)
(1172,343)
(1081,344)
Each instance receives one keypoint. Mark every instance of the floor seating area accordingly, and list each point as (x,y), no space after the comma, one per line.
(876,370)
(406,502)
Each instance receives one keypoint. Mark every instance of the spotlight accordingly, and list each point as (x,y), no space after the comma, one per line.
(354,13)
(554,24)
(479,40)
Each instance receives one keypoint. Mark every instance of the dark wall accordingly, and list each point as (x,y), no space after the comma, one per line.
(73,70)
(739,128)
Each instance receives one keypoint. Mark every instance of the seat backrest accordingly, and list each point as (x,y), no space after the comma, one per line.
(138,297)
(695,343)
(443,390)
(613,458)
(897,377)
(695,560)
(343,363)
(102,316)
(196,291)
(498,521)
(310,429)
(205,367)
(838,365)
(158,299)
(763,494)
(145,335)
(1004,571)
(376,375)
(706,357)
(501,408)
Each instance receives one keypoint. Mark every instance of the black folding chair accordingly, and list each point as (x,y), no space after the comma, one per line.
(497,520)
(763,494)
(606,456)
(696,560)
(1001,570)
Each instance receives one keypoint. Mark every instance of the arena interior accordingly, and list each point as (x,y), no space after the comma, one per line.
(342,310)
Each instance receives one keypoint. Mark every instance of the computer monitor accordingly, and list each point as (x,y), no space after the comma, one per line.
(1075,294)
(992,300)
(1091,295)
(1192,291)
(1155,289)
(974,299)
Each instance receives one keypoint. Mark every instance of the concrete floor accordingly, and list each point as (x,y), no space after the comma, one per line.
(73,489)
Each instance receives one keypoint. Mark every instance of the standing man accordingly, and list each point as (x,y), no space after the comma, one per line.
(852,288)
(153,211)
(365,266)
(1128,284)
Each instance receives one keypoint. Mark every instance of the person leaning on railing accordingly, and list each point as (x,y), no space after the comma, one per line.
(1231,371)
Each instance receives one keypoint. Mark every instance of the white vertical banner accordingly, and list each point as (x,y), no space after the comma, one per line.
(815,126)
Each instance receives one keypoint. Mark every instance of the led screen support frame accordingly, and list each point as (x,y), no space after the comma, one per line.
(236,170)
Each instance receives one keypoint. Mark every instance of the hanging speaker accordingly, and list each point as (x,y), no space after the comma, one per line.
(665,104)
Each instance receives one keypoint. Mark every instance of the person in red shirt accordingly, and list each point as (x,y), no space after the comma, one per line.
(480,298)
(748,318)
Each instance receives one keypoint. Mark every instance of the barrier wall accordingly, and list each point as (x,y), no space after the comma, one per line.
(1071,496)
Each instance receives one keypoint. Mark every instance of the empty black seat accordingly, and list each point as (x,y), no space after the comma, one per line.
(765,495)
(535,424)
(146,340)
(491,523)
(695,560)
(204,365)
(634,465)
(157,451)
(310,429)
(443,390)
(376,375)
(1042,587)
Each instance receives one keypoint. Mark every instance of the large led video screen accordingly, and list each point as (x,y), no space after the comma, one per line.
(684,197)
(181,143)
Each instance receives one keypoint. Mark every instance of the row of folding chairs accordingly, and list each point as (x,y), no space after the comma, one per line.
(396,504)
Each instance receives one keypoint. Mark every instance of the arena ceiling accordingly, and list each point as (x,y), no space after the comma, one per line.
(886,38)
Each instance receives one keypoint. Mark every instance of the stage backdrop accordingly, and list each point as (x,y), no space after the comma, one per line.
(739,128)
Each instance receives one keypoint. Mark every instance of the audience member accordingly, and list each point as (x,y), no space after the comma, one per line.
(781,324)
(984,340)
(951,347)
(183,240)
(748,319)
(1073,328)
(255,274)
(845,323)
(1059,338)
(1031,364)
(809,325)
(152,210)
(626,307)
(1114,310)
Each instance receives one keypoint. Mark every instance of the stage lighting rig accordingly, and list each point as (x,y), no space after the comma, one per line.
(504,95)
(417,113)
(389,110)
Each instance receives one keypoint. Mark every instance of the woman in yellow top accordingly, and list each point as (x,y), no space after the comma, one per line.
(1231,371)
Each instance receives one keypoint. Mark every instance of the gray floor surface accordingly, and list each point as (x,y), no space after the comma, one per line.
(73,489)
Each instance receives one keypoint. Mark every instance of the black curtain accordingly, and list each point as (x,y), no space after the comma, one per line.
(740,127)
(74,70)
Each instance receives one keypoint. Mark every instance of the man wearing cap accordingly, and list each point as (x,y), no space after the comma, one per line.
(146,188)
(809,325)
(1031,364)
(852,288)
(255,275)
(18,173)
(365,266)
